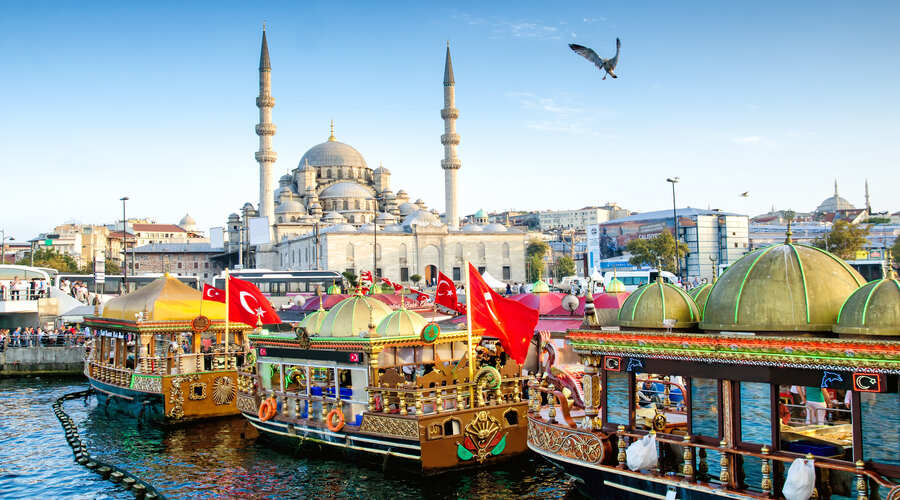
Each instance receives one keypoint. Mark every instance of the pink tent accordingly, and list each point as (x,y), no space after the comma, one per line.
(391,299)
(601,301)
(543,302)
(328,301)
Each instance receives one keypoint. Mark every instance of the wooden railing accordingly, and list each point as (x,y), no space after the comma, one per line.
(110,374)
(432,400)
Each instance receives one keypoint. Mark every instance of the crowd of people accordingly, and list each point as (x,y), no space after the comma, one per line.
(22,289)
(77,290)
(39,336)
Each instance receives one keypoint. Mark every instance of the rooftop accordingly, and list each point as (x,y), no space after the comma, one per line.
(158,228)
(177,248)
(663,214)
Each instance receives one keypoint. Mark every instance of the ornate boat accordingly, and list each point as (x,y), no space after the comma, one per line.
(783,317)
(387,385)
(160,353)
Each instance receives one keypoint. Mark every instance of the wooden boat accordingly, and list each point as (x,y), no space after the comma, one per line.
(402,391)
(159,353)
(816,326)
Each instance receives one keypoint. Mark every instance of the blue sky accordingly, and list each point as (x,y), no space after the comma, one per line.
(156,101)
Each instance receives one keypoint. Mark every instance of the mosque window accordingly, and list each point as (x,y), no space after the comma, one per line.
(482,251)
(457,273)
(506,252)
(404,274)
(506,273)
(346,205)
(357,204)
(280,219)
(340,174)
(329,173)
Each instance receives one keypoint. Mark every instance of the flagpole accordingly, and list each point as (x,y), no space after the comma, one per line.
(226,314)
(469,339)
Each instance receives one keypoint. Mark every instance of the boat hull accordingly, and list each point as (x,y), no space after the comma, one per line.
(142,405)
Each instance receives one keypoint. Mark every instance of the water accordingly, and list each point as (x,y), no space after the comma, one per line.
(211,460)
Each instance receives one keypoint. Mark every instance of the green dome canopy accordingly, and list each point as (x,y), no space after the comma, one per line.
(782,288)
(352,316)
(615,286)
(401,323)
(700,294)
(333,290)
(651,304)
(873,309)
(313,321)
(540,287)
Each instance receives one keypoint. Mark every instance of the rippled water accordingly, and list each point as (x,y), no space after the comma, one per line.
(211,460)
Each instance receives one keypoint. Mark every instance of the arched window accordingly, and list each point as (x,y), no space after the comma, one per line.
(506,250)
(340,174)
(329,173)
(346,205)
(350,254)
(451,427)
(459,252)
(482,251)
(401,254)
(280,219)
(357,204)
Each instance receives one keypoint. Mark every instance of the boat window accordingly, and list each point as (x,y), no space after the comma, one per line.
(659,403)
(880,427)
(818,421)
(451,427)
(512,417)
(617,398)
(756,426)
(705,407)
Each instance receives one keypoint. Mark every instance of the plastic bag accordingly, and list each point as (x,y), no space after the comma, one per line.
(642,454)
(801,479)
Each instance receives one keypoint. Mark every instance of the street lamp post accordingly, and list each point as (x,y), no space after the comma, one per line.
(124,247)
(673,181)
(3,245)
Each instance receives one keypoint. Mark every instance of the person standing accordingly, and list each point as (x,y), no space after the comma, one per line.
(815,405)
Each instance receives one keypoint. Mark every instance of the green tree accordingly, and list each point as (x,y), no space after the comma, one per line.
(535,252)
(48,257)
(878,220)
(565,266)
(895,250)
(110,267)
(658,251)
(844,239)
(415,279)
(351,278)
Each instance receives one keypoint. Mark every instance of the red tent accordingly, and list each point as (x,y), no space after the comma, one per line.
(543,302)
(601,301)
(328,301)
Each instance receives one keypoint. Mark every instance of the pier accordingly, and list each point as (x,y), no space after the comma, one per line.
(41,360)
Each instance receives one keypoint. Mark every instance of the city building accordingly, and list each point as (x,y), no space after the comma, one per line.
(714,238)
(579,219)
(184,259)
(329,210)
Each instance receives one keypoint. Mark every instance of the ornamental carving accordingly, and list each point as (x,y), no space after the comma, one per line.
(389,426)
(582,446)
(176,397)
(450,113)
(894,494)
(481,438)
(223,390)
(197,391)
(246,404)
(146,384)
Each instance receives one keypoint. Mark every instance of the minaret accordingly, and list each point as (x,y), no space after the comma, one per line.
(265,130)
(450,140)
(868,204)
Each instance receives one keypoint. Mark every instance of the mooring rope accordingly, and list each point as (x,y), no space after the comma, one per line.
(140,488)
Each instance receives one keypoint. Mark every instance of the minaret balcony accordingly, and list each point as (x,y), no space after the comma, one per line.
(450,139)
(266,156)
(265,101)
(265,129)
(449,113)
(453,164)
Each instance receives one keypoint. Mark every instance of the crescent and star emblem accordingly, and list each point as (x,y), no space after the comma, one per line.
(211,293)
(443,288)
(247,306)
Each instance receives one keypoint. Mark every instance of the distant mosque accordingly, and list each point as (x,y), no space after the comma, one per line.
(326,212)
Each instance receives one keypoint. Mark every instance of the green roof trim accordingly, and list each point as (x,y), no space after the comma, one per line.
(869,296)
(802,280)
(642,289)
(737,302)
(662,298)
(687,298)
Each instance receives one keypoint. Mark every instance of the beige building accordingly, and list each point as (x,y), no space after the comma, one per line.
(184,259)
(580,219)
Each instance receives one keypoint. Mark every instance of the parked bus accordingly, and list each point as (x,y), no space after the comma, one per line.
(633,279)
(113,283)
(281,286)
(870,269)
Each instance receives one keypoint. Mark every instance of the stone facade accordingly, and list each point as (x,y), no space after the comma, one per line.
(183,259)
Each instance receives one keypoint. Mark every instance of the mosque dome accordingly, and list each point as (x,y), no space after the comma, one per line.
(345,190)
(834,203)
(782,288)
(540,286)
(407,208)
(651,304)
(382,170)
(700,294)
(616,286)
(248,206)
(401,323)
(472,228)
(495,228)
(285,180)
(421,218)
(289,207)
(873,309)
(352,316)
(384,218)
(313,321)
(333,153)
(333,218)
(187,221)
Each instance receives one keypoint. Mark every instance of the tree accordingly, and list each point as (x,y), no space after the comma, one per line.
(895,250)
(48,257)
(565,266)
(658,251)
(109,267)
(535,252)
(415,279)
(878,220)
(844,239)
(537,247)
(350,276)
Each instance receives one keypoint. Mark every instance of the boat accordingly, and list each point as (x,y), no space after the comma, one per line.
(785,318)
(387,386)
(163,354)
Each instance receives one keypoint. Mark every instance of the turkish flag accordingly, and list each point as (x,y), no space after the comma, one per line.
(446,293)
(246,303)
(213,293)
(507,320)
(420,296)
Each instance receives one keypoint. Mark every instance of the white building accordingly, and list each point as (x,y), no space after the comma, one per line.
(579,219)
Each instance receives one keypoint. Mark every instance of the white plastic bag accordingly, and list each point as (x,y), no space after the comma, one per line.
(801,479)
(642,454)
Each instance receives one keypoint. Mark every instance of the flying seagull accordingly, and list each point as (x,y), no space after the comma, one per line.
(745,194)
(607,65)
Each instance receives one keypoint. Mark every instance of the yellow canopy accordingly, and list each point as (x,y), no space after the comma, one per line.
(164,299)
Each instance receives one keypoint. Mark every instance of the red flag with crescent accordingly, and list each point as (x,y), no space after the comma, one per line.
(446,293)
(213,293)
(246,303)
(509,321)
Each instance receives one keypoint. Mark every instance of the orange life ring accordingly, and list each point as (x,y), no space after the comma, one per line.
(273,408)
(263,413)
(335,420)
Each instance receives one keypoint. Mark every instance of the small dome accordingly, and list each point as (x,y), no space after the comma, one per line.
(333,218)
(394,228)
(472,228)
(407,208)
(700,294)
(651,304)
(540,286)
(421,218)
(782,288)
(285,180)
(385,218)
(873,309)
(187,221)
(615,286)
(480,213)
(402,192)
(495,228)
(333,289)
(351,317)
(345,190)
(289,207)
(382,170)
(233,216)
(333,154)
(401,323)
(248,206)
(313,321)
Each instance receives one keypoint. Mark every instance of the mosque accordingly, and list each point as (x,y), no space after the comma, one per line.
(335,212)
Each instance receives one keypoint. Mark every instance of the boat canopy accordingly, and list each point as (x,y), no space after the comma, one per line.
(164,299)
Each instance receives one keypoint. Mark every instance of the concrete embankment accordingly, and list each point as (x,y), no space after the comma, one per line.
(41,361)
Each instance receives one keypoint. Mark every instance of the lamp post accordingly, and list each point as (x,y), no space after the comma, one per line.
(3,245)
(124,247)
(673,181)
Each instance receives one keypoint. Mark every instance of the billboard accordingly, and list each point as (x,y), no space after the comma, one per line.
(259,230)
(99,268)
(614,236)
(593,247)
(217,237)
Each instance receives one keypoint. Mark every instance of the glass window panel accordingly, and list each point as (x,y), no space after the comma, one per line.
(881,427)
(756,412)
(819,423)
(617,402)
(705,407)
